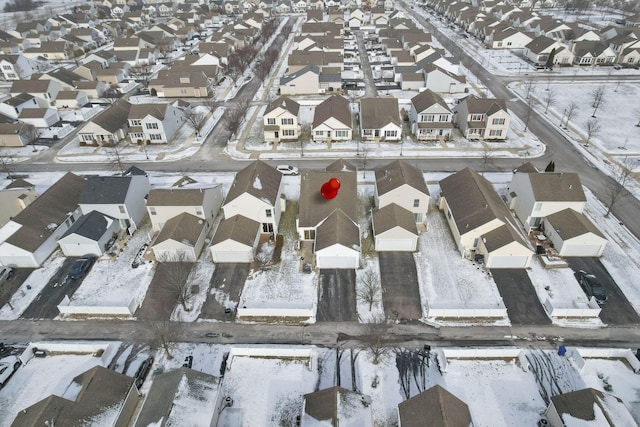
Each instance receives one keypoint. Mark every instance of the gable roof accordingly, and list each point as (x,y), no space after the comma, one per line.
(237,228)
(286,103)
(426,99)
(582,404)
(184,228)
(398,173)
(557,187)
(52,207)
(569,224)
(437,405)
(486,106)
(258,179)
(338,228)
(335,106)
(501,236)
(105,190)
(177,196)
(311,68)
(115,117)
(92,226)
(431,67)
(313,208)
(341,165)
(392,215)
(140,111)
(337,406)
(376,113)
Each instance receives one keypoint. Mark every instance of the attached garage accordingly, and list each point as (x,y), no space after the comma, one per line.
(337,242)
(394,229)
(236,240)
(89,235)
(573,235)
(337,256)
(504,248)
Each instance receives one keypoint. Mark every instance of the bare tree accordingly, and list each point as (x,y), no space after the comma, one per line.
(370,290)
(570,113)
(549,99)
(211,103)
(527,115)
(195,119)
(116,161)
(593,128)
(164,334)
(487,153)
(174,278)
(234,116)
(142,73)
(6,162)
(617,189)
(529,88)
(375,339)
(413,365)
(597,99)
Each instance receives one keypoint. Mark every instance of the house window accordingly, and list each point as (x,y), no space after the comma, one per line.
(426,117)
(7,67)
(416,203)
(417,217)
(509,43)
(390,133)
(271,121)
(152,126)
(135,122)
(286,121)
(288,132)
(309,234)
(152,211)
(122,209)
(155,137)
(499,121)
(199,212)
(495,132)
(367,132)
(86,137)
(268,213)
(342,133)
(183,91)
(444,117)
(475,242)
(476,117)
(319,133)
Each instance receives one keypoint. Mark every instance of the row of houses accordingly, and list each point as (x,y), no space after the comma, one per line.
(429,117)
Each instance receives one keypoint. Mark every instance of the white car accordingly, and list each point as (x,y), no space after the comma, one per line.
(8,366)
(287,169)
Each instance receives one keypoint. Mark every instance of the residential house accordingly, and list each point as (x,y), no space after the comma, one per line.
(17,134)
(93,89)
(181,84)
(394,229)
(15,67)
(481,224)
(332,120)
(280,120)
(12,107)
(107,128)
(166,203)
(533,196)
(540,48)
(14,198)
(155,123)
(380,119)
(430,117)
(120,197)
(482,118)
(91,234)
(98,394)
(44,89)
(330,224)
(336,406)
(51,50)
(256,193)
(400,183)
(439,80)
(508,38)
(593,53)
(39,117)
(588,406)
(436,404)
(31,236)
(71,100)
(630,56)
(181,239)
(235,240)
(572,234)
(305,81)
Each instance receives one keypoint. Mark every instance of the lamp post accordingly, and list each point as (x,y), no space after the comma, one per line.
(144,147)
(564,113)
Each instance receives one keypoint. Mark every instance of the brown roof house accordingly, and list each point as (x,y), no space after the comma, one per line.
(482,118)
(235,240)
(435,407)
(380,119)
(572,234)
(482,225)
(430,117)
(17,134)
(331,224)
(440,80)
(181,239)
(166,203)
(14,198)
(155,123)
(107,128)
(588,407)
(332,120)
(336,407)
(31,236)
(281,120)
(184,84)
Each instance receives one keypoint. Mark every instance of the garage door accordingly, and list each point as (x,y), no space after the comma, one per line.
(336,262)
(580,250)
(402,245)
(230,256)
(81,250)
(507,262)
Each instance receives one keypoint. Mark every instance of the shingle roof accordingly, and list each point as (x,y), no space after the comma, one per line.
(341,165)
(335,106)
(258,179)
(376,113)
(176,196)
(391,216)
(335,405)
(287,103)
(52,207)
(500,237)
(105,190)
(184,228)
(557,187)
(92,226)
(569,224)
(337,228)
(582,404)
(398,173)
(486,106)
(308,69)
(437,405)
(115,117)
(237,228)
(313,208)
(18,99)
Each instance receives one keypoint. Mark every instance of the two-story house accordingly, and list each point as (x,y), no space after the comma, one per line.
(482,118)
(166,203)
(155,123)
(430,116)
(281,120)
(15,67)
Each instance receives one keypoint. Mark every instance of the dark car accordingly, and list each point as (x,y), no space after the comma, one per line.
(143,370)
(188,362)
(80,267)
(592,286)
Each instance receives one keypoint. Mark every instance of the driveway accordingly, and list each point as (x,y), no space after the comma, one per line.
(162,296)
(399,280)
(617,310)
(520,298)
(13,283)
(225,288)
(337,296)
(45,305)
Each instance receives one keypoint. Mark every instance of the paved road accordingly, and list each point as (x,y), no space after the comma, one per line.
(399,280)
(370,87)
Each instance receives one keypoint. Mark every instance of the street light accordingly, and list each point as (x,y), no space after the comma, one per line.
(144,147)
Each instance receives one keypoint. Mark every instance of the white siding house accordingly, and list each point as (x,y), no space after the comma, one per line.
(235,240)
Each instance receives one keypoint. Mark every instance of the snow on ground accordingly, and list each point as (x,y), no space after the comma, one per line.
(200,276)
(366,279)
(105,284)
(381,383)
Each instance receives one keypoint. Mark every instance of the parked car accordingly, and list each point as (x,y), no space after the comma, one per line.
(188,362)
(287,169)
(81,267)
(143,371)
(37,352)
(5,274)
(592,286)
(8,366)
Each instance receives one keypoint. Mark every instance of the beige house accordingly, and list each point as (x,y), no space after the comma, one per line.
(107,128)
(380,119)
(572,234)
(305,81)
(235,240)
(166,203)
(394,229)
(14,198)
(184,84)
(281,120)
(402,184)
(481,224)
(332,120)
(430,116)
(17,134)
(482,118)
(181,239)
